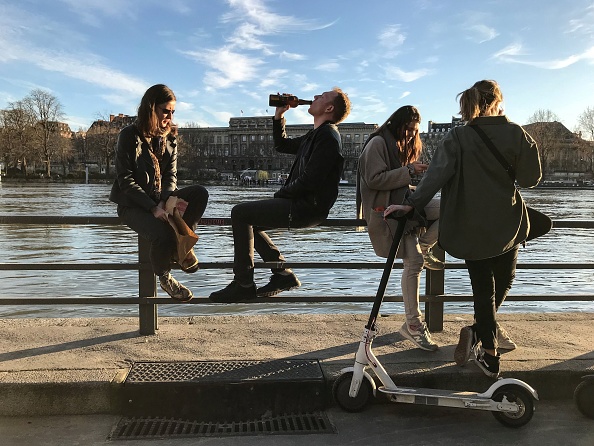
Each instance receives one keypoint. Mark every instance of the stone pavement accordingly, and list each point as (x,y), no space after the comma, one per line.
(74,366)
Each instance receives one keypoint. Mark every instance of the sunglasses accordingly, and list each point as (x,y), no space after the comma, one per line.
(166,111)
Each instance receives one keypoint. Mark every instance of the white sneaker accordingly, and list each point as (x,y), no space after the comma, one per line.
(504,342)
(420,336)
(175,289)
(430,261)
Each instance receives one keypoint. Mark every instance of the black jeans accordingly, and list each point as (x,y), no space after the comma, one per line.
(249,220)
(159,232)
(491,280)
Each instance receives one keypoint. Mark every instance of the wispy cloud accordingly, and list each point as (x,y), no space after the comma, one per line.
(94,12)
(230,67)
(85,67)
(483,32)
(291,56)
(310,86)
(515,54)
(392,72)
(475,28)
(368,105)
(246,47)
(328,66)
(274,78)
(584,24)
(220,116)
(34,44)
(509,53)
(391,37)
(266,21)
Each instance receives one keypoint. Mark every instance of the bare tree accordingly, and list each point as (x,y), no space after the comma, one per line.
(430,143)
(540,128)
(64,152)
(586,123)
(102,138)
(16,127)
(48,112)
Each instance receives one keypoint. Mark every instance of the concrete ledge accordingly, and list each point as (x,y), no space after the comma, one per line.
(76,366)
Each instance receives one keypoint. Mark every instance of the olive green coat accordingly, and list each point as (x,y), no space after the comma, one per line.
(482,215)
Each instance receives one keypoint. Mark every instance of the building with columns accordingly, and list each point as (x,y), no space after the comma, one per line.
(247,145)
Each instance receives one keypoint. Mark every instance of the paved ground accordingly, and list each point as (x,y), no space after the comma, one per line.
(70,366)
(556,422)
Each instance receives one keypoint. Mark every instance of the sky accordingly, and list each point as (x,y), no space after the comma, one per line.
(222,58)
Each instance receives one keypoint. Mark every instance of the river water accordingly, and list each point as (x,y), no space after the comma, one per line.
(76,243)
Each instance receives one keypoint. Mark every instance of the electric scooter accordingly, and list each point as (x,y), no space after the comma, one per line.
(511,401)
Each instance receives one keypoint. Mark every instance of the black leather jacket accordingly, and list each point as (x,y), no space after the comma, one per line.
(135,172)
(317,169)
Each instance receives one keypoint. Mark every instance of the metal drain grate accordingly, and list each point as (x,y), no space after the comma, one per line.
(199,371)
(223,390)
(160,427)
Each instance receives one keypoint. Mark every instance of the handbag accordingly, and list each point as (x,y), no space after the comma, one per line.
(184,236)
(539,223)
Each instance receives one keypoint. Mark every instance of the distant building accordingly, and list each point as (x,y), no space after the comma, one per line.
(435,133)
(435,129)
(564,154)
(245,147)
(247,144)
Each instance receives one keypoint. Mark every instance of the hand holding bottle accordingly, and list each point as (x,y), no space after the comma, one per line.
(285,101)
(281,100)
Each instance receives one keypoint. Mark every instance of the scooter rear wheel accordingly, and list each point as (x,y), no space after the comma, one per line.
(340,391)
(520,396)
(584,396)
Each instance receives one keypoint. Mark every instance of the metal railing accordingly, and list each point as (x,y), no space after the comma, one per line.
(147,300)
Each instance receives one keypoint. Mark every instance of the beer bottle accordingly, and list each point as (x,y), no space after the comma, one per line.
(280,100)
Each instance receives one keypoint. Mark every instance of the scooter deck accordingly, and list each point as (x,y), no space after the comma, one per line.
(437,397)
(419,391)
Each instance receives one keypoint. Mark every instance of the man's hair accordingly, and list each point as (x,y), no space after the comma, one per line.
(342,106)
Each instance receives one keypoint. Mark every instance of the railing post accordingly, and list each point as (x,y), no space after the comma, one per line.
(435,284)
(147,287)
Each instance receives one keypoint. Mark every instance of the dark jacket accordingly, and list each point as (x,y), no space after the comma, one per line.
(135,173)
(482,214)
(317,169)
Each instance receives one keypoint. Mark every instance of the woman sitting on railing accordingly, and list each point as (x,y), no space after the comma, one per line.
(146,169)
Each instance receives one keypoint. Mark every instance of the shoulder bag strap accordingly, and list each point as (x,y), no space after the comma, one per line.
(496,153)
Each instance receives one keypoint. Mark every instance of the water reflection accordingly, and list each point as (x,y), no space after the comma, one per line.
(117,244)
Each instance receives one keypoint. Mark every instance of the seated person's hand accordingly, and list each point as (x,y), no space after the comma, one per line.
(160,213)
(397,207)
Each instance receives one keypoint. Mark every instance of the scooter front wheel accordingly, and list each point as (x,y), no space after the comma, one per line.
(520,396)
(340,391)
(584,396)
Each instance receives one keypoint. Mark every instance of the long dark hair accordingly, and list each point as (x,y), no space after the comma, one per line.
(146,120)
(396,124)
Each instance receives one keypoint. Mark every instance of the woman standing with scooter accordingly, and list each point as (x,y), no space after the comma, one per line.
(483,218)
(388,162)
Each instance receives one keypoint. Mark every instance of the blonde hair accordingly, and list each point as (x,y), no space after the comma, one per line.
(342,106)
(482,99)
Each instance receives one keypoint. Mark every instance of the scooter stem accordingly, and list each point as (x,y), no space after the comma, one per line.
(364,358)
